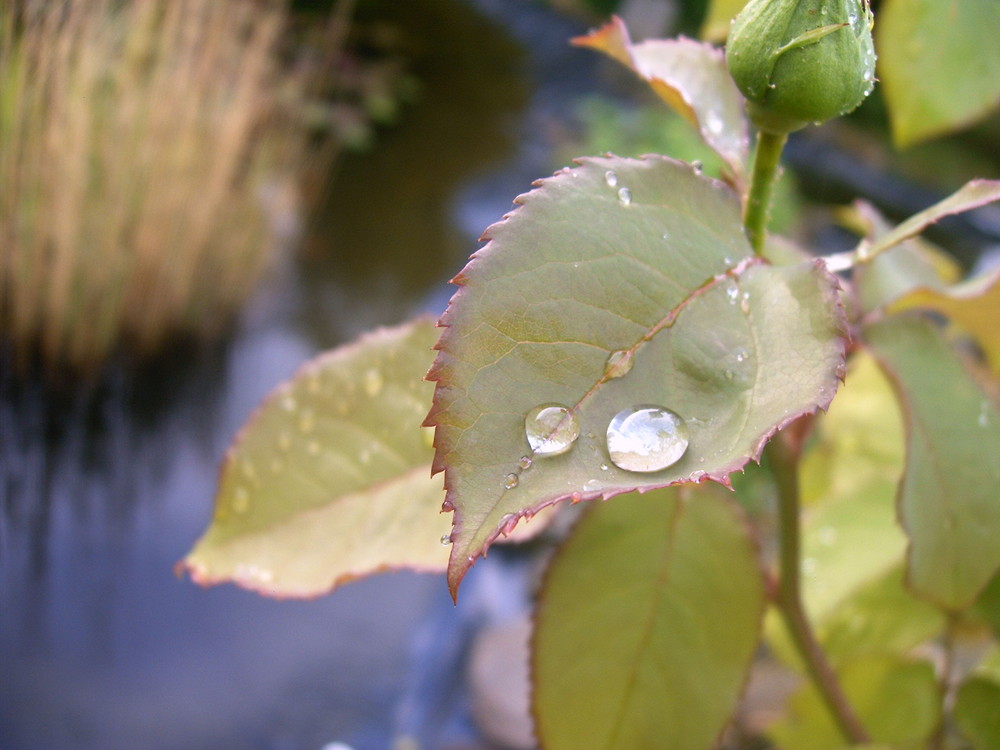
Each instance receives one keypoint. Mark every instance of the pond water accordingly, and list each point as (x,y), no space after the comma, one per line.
(101,645)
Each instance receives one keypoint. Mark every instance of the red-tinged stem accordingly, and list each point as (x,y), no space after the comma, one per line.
(784,461)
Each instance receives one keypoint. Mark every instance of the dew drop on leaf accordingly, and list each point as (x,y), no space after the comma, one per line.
(551,429)
(646,438)
(611,178)
(624,196)
(510,481)
(446,540)
(618,364)
(524,463)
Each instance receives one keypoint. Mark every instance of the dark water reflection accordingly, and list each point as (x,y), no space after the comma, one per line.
(101,646)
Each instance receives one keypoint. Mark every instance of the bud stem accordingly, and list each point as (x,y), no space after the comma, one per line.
(764,174)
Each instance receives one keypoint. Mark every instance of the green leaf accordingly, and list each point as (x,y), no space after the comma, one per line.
(939,64)
(977,704)
(330,478)
(987,606)
(897,701)
(973,306)
(647,621)
(667,283)
(948,502)
(692,78)
(880,618)
(971,195)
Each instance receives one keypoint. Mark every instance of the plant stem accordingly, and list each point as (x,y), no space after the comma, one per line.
(765,172)
(783,453)
(784,461)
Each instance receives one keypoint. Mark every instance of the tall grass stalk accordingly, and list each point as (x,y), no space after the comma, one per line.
(136,139)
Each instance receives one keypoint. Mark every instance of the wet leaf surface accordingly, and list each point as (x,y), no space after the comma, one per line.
(647,621)
(692,78)
(600,304)
(939,64)
(330,479)
(948,496)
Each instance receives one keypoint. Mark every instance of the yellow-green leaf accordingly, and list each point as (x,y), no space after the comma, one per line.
(939,64)
(647,621)
(948,499)
(974,306)
(896,700)
(330,479)
(619,284)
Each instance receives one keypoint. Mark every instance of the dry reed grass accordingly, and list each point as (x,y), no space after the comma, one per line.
(135,140)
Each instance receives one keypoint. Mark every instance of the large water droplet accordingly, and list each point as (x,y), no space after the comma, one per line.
(646,438)
(624,196)
(511,481)
(618,364)
(524,463)
(551,429)
(446,540)
(611,178)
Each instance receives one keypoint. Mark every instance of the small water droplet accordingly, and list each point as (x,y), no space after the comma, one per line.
(741,355)
(507,523)
(446,540)
(697,166)
(727,260)
(241,500)
(729,374)
(624,196)
(732,293)
(745,303)
(604,467)
(591,485)
(551,429)
(646,438)
(373,382)
(618,363)
(524,463)
(611,178)
(665,236)
(713,123)
(510,481)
